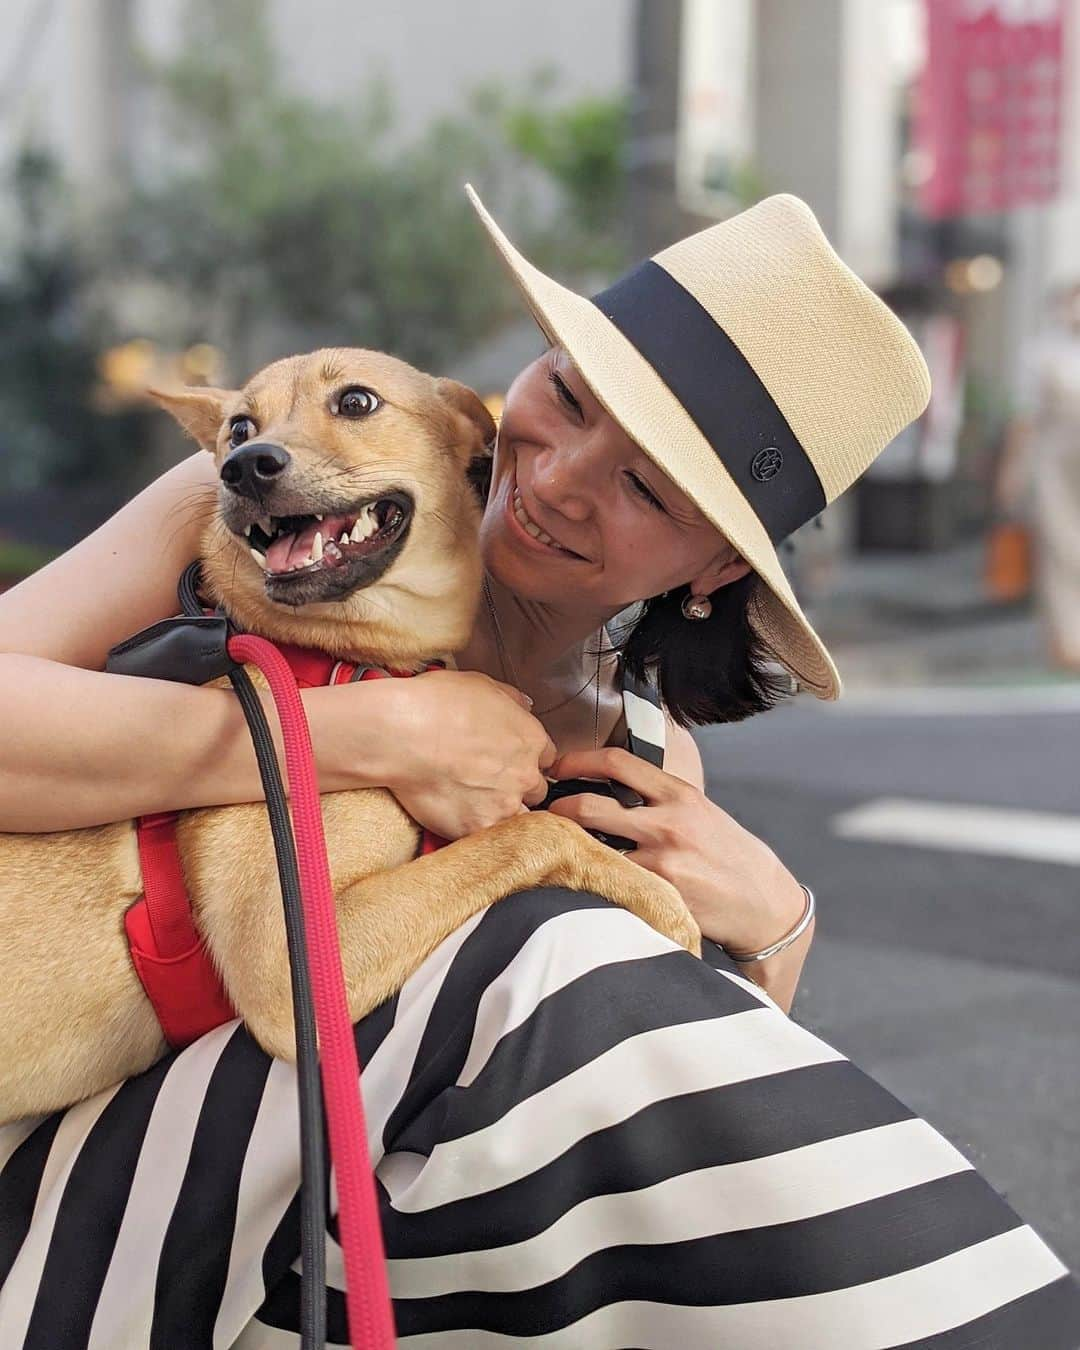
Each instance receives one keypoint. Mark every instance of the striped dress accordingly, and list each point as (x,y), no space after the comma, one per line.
(582,1136)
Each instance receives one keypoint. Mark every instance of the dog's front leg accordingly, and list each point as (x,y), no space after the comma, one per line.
(391,921)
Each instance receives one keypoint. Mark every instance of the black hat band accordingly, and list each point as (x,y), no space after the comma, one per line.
(720,391)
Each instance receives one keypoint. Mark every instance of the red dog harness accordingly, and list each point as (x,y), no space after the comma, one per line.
(170,959)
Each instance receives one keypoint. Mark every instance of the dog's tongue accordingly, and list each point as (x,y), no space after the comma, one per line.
(290,550)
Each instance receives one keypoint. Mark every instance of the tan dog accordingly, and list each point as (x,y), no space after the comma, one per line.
(358,456)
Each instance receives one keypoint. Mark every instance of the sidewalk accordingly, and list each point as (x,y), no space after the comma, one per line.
(904,619)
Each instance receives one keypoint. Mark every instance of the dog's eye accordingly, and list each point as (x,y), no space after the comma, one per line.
(241,429)
(356,402)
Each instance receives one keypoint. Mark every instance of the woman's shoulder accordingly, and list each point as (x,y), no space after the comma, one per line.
(120,578)
(682,758)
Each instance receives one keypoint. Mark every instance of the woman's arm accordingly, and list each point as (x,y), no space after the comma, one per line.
(120,578)
(82,747)
(778,975)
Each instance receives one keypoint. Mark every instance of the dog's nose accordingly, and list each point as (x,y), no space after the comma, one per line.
(251,469)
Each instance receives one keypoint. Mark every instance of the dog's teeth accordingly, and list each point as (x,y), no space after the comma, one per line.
(258,558)
(316,546)
(366,524)
(318,517)
(344,538)
(265,523)
(247,531)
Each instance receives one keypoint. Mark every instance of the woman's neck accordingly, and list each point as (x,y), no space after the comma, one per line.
(552,657)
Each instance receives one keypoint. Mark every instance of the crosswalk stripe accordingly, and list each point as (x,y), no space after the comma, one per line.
(1042,836)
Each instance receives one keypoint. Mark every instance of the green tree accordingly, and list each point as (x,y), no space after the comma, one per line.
(581,147)
(275,209)
(52,430)
(264,221)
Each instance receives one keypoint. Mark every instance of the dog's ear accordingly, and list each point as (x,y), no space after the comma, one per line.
(200,410)
(478,476)
(469,404)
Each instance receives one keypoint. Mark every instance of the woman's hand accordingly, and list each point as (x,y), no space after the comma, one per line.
(741,894)
(459,750)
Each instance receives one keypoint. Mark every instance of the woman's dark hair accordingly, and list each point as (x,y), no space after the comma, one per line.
(707,670)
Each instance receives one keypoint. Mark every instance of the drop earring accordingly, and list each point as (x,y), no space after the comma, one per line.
(696,607)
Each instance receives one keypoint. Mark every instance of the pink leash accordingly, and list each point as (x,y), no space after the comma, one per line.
(367,1293)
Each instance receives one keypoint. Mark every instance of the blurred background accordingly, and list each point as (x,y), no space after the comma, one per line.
(191,189)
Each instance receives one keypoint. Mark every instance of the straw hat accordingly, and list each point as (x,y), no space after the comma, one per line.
(757,371)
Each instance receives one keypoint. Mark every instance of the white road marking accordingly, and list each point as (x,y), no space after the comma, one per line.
(1042,836)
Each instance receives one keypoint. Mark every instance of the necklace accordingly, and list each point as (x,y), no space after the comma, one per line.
(511,676)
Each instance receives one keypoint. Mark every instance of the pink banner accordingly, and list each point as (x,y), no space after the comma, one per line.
(989,110)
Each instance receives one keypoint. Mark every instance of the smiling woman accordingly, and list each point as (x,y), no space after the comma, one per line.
(563,464)
(583,1136)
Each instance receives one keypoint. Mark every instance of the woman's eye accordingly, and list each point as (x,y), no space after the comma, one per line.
(241,429)
(563,390)
(642,489)
(357,402)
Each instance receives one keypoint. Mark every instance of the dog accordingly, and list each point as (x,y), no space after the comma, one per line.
(346,520)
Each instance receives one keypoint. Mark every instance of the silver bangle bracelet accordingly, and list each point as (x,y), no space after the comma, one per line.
(748,958)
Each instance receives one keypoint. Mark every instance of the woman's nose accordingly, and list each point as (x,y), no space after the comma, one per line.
(564,480)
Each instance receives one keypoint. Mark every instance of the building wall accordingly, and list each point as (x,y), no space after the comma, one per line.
(431,53)
(827,121)
(869,149)
(1063,225)
(43,94)
(67,69)
(799,102)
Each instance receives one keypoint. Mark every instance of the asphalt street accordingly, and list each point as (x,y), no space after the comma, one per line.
(950,972)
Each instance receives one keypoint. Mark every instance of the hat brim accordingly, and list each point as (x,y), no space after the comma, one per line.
(638,399)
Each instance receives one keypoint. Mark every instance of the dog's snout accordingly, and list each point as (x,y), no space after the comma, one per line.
(251,469)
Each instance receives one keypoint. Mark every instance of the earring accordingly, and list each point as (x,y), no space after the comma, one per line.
(696,607)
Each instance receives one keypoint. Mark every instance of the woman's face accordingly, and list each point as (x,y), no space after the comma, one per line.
(580,518)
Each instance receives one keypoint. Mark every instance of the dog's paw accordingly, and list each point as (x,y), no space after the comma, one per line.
(642,892)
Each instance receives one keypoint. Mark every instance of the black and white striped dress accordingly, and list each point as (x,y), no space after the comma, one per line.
(583,1137)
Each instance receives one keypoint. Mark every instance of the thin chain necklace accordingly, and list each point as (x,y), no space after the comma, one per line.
(511,676)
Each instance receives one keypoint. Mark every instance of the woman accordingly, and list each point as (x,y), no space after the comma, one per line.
(582,1137)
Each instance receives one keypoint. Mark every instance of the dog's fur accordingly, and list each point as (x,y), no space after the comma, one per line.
(73,1017)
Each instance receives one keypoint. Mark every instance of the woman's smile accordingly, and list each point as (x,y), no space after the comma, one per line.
(528,532)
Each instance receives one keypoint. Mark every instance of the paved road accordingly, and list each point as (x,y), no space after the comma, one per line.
(953,976)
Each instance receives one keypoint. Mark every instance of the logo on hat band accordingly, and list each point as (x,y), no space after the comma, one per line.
(720,391)
(766,464)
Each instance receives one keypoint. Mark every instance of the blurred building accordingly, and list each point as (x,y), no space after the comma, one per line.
(828,100)
(730,99)
(69,67)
